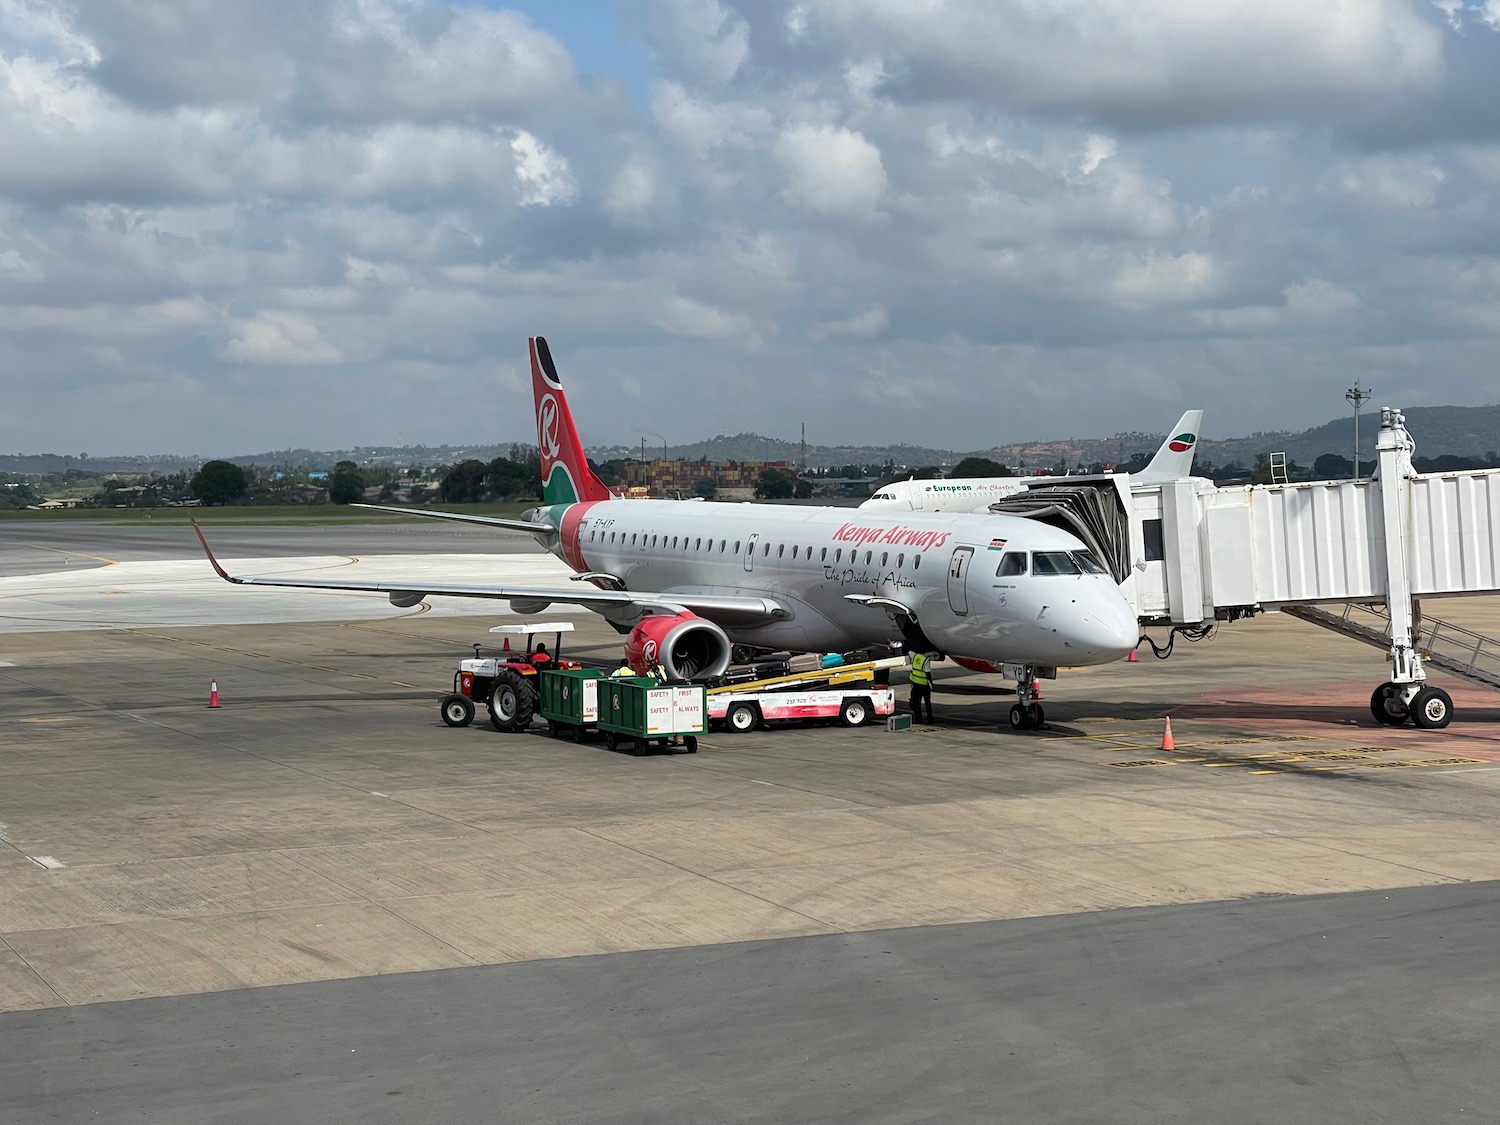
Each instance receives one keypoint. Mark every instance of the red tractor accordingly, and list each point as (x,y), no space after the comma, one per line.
(505,683)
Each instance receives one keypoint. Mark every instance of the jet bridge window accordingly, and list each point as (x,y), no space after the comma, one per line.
(1151,541)
(1012,563)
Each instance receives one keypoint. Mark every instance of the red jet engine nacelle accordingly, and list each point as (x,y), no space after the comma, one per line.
(684,646)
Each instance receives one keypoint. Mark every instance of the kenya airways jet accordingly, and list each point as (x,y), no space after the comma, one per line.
(687,580)
(1173,461)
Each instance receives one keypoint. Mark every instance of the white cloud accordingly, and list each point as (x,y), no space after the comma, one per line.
(1314,303)
(1175,59)
(860,326)
(544,174)
(698,39)
(276,338)
(1158,280)
(682,316)
(1394,181)
(831,171)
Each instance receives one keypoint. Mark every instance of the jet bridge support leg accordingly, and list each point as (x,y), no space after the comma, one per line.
(1406,694)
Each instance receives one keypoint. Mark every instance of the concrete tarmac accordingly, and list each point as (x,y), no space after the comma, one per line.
(1072,894)
(1368,1007)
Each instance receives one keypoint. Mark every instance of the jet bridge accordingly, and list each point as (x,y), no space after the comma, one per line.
(1188,554)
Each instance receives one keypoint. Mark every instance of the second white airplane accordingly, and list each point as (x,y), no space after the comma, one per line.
(1173,461)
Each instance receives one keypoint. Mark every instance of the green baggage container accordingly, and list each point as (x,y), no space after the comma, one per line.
(569,699)
(641,712)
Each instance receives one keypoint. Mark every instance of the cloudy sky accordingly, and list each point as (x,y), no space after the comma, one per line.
(228,227)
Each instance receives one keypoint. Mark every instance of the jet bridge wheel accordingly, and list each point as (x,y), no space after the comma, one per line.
(1386,705)
(1432,708)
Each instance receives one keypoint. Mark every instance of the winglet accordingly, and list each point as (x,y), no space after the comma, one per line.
(207,550)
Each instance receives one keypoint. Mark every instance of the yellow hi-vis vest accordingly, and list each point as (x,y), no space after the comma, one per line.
(919,673)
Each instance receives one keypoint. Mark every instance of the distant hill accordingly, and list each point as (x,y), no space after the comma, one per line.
(1464,431)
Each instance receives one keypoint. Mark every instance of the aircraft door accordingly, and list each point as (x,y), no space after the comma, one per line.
(958,577)
(750,551)
(917,488)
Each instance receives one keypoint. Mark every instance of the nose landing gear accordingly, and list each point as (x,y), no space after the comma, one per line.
(1027,713)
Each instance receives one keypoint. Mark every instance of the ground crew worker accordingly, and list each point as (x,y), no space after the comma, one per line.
(623,670)
(541,655)
(921,685)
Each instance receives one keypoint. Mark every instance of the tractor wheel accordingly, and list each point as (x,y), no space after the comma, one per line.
(513,701)
(457,710)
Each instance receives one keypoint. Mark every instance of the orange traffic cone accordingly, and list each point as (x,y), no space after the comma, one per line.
(213,693)
(1131,658)
(1036,689)
(505,645)
(1166,736)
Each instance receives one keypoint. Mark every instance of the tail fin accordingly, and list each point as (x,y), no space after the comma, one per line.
(1174,460)
(566,476)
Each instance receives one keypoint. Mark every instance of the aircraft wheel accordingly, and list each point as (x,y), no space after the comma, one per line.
(1020,718)
(854,713)
(740,718)
(1038,716)
(1432,708)
(457,710)
(1386,706)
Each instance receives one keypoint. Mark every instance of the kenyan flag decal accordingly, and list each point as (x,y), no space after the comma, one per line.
(1182,443)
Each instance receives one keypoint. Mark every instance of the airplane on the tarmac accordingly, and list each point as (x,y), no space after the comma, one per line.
(1173,461)
(688,581)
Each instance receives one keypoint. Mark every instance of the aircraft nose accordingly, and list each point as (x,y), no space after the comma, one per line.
(1110,629)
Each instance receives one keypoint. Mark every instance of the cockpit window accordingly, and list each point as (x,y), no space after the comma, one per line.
(1013,563)
(1054,562)
(1087,562)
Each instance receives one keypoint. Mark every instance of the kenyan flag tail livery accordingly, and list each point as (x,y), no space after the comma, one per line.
(1174,460)
(566,476)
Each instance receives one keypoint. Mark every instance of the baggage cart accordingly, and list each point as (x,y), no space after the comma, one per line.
(570,701)
(638,712)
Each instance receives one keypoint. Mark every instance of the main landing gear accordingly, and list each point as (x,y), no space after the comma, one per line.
(1430,708)
(1027,713)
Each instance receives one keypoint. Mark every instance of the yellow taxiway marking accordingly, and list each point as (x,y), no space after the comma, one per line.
(75,554)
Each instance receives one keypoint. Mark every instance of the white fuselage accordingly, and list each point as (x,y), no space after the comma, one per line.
(975,494)
(940,567)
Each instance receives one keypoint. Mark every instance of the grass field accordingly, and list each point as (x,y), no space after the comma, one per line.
(311,514)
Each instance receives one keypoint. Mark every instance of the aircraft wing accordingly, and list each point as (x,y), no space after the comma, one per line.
(739,610)
(461,517)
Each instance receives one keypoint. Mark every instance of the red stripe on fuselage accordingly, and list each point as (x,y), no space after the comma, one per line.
(569,535)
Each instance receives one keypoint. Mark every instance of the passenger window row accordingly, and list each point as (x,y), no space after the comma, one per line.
(639,539)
